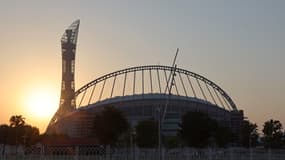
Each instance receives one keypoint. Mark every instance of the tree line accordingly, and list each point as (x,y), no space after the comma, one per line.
(196,129)
(17,132)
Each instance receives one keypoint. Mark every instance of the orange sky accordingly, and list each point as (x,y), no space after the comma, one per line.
(237,45)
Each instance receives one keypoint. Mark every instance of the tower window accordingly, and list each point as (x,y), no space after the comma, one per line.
(72,85)
(61,101)
(63,66)
(72,102)
(63,86)
(72,66)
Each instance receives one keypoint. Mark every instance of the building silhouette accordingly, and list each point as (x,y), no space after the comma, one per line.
(67,96)
(140,93)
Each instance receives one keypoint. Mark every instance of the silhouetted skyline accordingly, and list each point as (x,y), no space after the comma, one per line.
(237,45)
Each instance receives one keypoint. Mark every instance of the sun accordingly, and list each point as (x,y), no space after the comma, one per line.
(41,103)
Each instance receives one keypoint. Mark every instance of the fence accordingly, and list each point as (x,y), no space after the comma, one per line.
(107,153)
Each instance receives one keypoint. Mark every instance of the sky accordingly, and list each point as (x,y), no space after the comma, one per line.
(239,45)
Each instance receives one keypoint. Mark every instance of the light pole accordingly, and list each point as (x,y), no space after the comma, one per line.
(132,141)
(162,116)
(250,147)
(134,144)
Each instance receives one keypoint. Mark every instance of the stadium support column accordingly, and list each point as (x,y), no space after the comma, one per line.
(67,97)
(237,118)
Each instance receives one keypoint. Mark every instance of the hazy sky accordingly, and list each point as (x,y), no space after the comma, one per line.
(237,44)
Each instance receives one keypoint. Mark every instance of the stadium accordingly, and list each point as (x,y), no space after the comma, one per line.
(143,92)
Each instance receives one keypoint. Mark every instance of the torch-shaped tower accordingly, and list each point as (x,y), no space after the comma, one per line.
(67,97)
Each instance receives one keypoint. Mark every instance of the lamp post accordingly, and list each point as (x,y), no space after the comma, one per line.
(161,116)
(133,135)
(250,147)
(132,143)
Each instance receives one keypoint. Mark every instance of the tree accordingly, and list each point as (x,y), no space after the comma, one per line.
(249,135)
(16,124)
(147,133)
(195,129)
(273,134)
(18,132)
(221,135)
(171,141)
(29,135)
(17,120)
(4,133)
(109,125)
(199,130)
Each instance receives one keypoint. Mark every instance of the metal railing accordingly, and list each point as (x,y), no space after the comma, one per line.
(108,153)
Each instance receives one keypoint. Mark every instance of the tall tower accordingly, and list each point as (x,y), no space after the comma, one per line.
(67,97)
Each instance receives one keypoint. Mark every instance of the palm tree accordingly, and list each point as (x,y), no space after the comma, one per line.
(17,120)
(16,123)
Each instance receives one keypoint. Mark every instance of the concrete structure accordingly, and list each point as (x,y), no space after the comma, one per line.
(141,93)
(67,96)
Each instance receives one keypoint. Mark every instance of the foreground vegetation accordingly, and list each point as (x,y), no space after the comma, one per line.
(196,130)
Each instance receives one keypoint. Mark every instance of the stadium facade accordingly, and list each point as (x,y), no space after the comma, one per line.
(140,92)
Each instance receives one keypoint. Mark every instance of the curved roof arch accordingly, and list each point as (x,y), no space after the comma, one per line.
(198,77)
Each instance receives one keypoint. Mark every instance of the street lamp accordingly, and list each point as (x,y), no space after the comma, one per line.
(162,116)
(132,142)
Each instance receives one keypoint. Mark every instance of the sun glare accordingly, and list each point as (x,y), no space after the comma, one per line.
(42,103)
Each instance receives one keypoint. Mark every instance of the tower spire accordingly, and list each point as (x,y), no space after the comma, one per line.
(67,96)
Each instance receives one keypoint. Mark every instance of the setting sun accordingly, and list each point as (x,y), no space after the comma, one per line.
(41,103)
